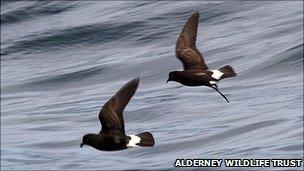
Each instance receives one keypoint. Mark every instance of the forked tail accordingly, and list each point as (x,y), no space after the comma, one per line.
(146,139)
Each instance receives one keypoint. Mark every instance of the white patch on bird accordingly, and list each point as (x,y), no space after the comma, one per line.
(212,82)
(202,73)
(133,141)
(216,74)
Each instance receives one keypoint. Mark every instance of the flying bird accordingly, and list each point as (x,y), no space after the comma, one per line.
(112,135)
(195,71)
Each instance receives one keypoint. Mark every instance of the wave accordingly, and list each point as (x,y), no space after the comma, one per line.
(56,81)
(38,9)
(287,62)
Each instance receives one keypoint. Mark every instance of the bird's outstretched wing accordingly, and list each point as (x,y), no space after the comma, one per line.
(110,116)
(186,50)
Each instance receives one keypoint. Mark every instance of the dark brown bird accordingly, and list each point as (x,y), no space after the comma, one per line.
(196,72)
(112,135)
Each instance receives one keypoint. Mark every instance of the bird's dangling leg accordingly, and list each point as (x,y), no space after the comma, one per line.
(215,87)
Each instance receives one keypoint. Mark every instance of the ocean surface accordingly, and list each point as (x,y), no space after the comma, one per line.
(62,60)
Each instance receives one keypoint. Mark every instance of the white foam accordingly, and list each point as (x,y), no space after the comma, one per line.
(216,74)
(133,141)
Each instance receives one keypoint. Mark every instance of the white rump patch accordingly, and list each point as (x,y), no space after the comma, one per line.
(133,141)
(216,74)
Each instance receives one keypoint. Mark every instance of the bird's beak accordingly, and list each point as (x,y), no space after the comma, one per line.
(168,80)
(81,145)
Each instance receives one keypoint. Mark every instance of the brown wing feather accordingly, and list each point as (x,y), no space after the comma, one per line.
(110,115)
(186,50)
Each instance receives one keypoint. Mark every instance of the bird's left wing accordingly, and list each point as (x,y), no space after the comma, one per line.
(111,114)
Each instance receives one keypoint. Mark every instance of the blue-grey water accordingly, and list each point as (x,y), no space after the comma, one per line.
(62,60)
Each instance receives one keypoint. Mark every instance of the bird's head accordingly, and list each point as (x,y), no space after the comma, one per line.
(88,139)
(171,76)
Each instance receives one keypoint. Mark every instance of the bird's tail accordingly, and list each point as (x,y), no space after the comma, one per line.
(227,71)
(146,139)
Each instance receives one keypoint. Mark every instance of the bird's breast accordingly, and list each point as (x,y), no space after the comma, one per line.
(194,79)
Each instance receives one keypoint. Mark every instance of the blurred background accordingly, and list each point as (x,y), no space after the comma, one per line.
(62,60)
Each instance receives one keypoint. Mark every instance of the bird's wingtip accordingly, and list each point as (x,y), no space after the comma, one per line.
(136,79)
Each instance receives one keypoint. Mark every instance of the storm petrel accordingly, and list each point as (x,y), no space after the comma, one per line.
(196,72)
(112,135)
